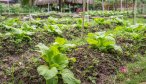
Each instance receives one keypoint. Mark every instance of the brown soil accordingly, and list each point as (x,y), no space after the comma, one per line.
(92,64)
(21,69)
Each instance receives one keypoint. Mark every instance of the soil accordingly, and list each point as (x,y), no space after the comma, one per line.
(21,69)
(93,66)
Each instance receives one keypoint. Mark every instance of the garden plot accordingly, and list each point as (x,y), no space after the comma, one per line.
(31,50)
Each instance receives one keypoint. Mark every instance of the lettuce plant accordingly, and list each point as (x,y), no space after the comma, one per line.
(19,35)
(103,41)
(99,21)
(55,29)
(56,63)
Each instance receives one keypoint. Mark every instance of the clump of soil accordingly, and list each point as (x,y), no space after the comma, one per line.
(94,66)
(21,69)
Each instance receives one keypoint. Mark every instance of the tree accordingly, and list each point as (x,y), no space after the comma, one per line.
(26,2)
(103,5)
(121,5)
(83,17)
(134,11)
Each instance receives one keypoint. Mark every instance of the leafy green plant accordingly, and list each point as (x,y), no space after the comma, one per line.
(79,23)
(56,63)
(53,29)
(103,41)
(108,13)
(99,21)
(117,19)
(134,32)
(19,35)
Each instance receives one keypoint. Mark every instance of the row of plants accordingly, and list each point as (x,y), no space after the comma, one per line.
(111,38)
(108,13)
(16,9)
(19,30)
(105,42)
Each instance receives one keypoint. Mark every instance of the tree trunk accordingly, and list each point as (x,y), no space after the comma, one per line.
(60,5)
(31,2)
(143,8)
(127,5)
(121,5)
(87,5)
(134,11)
(115,5)
(93,4)
(83,17)
(103,6)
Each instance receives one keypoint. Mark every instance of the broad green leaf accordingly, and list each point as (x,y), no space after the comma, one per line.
(55,50)
(42,48)
(92,41)
(69,78)
(46,72)
(17,31)
(47,53)
(91,35)
(66,47)
(52,81)
(59,40)
(108,40)
(102,40)
(61,60)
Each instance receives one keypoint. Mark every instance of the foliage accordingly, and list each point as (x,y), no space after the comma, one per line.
(16,9)
(53,29)
(99,21)
(136,72)
(56,62)
(102,41)
(108,13)
(134,32)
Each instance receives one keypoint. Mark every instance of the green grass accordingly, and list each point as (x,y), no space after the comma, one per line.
(136,72)
(138,20)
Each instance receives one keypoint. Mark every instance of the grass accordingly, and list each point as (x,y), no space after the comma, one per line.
(138,20)
(136,72)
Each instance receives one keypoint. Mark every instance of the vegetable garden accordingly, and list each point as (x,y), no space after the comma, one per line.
(57,48)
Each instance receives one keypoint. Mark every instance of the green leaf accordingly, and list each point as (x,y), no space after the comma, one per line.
(52,81)
(108,40)
(69,78)
(69,45)
(118,48)
(59,40)
(46,72)
(66,47)
(56,29)
(55,50)
(17,31)
(42,48)
(61,60)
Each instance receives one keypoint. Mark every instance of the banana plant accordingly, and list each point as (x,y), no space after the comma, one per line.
(56,63)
